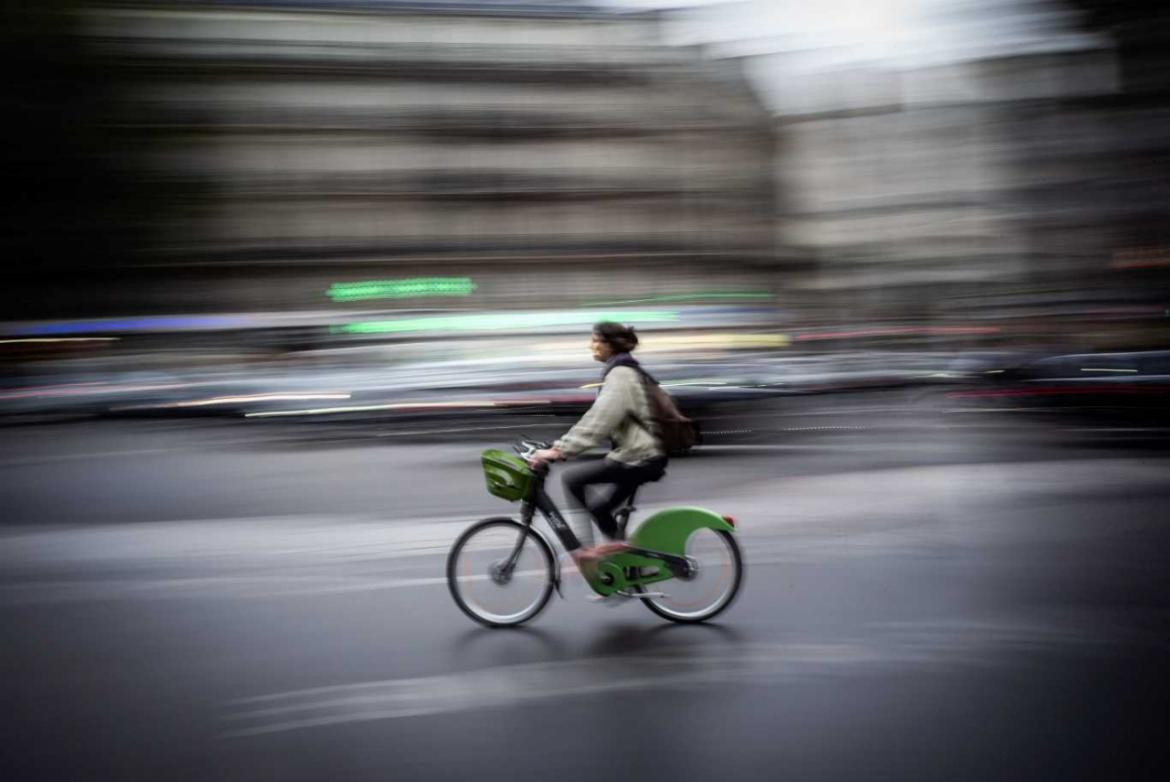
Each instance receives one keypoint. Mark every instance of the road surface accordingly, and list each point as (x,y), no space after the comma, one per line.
(194,600)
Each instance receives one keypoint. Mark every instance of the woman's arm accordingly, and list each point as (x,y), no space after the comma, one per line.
(612,406)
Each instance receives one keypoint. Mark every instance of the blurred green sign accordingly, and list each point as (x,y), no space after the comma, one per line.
(409,288)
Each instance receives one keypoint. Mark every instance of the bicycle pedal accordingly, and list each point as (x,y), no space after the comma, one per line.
(642,595)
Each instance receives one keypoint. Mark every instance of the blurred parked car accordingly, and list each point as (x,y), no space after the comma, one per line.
(1132,387)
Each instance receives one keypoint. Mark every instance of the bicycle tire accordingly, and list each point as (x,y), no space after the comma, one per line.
(659,606)
(470,607)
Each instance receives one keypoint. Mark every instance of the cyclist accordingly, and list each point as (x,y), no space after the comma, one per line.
(621,414)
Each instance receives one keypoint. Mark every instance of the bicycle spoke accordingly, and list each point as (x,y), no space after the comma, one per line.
(486,587)
(712,588)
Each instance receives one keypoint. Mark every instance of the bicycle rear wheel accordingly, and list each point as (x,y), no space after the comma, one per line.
(713,587)
(482,584)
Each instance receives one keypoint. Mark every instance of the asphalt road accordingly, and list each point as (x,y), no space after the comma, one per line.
(185,600)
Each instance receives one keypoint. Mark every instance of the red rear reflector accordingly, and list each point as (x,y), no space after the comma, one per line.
(730,520)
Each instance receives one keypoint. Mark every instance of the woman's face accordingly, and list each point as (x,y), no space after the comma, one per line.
(601,349)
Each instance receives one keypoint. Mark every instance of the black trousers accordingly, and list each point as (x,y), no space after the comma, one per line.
(626,478)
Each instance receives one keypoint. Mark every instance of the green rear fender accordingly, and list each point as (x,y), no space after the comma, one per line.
(667,531)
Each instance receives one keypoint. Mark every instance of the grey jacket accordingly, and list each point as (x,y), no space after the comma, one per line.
(622,400)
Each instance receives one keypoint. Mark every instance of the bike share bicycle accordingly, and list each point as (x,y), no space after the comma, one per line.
(684,563)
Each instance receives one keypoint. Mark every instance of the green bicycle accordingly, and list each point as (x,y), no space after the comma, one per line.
(684,563)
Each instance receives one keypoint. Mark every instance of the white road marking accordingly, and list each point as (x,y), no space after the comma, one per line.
(509,685)
(919,645)
(99,455)
(809,518)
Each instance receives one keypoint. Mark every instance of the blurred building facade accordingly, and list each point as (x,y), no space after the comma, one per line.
(1023,191)
(253,154)
(556,153)
(923,192)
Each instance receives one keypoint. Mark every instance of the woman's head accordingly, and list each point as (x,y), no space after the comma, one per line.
(610,338)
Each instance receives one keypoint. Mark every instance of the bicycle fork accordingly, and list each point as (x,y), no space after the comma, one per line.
(503,571)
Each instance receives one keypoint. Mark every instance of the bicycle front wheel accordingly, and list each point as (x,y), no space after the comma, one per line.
(712,588)
(500,572)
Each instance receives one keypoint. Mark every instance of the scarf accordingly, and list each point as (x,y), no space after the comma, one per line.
(625,360)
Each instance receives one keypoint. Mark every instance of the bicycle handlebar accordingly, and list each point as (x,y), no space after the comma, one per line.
(526,447)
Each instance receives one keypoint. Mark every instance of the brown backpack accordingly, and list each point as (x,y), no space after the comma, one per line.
(675,432)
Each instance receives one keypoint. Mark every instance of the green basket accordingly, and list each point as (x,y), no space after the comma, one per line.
(508,476)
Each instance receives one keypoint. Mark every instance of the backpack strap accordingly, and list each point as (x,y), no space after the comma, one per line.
(646,380)
(626,360)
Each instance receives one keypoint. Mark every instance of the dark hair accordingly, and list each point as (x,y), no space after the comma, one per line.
(620,338)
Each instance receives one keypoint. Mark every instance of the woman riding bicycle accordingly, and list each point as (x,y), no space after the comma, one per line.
(622,414)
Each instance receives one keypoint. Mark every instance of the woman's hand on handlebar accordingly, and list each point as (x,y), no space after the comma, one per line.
(540,458)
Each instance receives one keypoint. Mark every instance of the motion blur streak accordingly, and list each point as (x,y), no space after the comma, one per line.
(367,408)
(38,340)
(227,400)
(503,321)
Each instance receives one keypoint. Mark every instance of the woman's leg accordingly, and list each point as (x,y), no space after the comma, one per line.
(625,478)
(604,471)
(626,481)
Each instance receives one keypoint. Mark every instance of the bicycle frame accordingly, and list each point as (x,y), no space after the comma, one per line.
(538,499)
(617,572)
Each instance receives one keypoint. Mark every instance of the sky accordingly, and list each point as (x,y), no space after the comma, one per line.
(786,40)
(899,32)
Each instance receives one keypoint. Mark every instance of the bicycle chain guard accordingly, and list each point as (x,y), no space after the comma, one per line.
(665,532)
